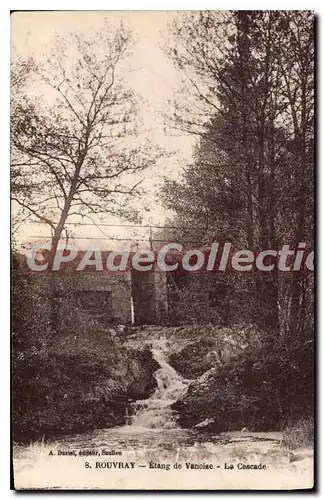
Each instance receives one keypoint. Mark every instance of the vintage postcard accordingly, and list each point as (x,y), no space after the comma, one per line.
(162,184)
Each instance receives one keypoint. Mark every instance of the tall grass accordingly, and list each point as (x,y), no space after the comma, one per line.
(299,434)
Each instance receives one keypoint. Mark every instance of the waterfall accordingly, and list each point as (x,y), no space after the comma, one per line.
(155,412)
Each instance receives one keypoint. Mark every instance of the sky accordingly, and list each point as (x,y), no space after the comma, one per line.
(148,71)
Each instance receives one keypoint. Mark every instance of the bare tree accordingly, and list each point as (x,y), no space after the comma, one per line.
(74,148)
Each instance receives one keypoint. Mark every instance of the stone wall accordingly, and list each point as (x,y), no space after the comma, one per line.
(72,300)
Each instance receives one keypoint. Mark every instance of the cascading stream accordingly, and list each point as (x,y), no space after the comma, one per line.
(152,432)
(155,412)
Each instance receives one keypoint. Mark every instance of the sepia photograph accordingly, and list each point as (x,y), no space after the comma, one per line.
(162,176)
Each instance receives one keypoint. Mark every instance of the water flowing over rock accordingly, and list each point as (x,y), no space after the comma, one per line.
(155,412)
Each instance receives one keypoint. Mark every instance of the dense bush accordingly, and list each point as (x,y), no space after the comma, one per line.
(261,389)
(74,386)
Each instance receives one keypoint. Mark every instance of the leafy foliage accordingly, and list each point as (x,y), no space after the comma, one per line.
(250,75)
